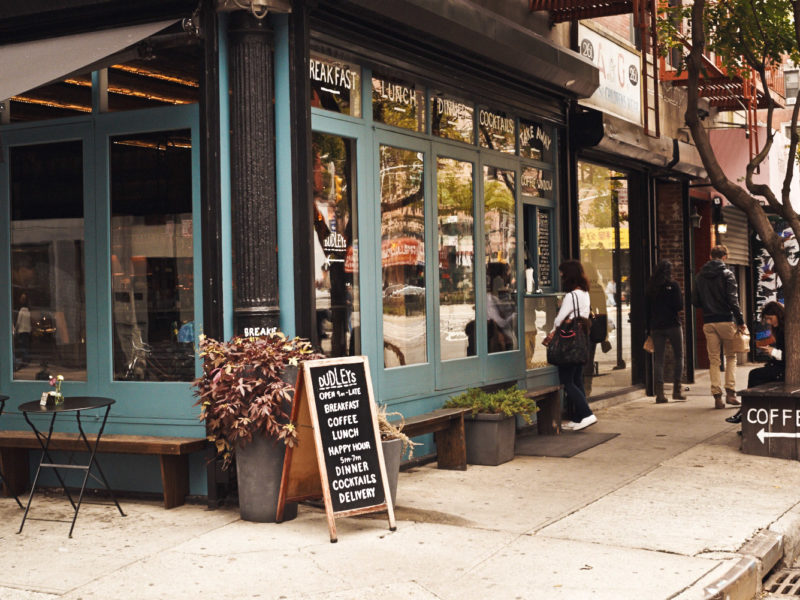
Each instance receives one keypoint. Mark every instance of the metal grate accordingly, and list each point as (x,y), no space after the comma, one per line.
(784,583)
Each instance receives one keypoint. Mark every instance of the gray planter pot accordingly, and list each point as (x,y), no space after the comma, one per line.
(259,466)
(392,455)
(490,439)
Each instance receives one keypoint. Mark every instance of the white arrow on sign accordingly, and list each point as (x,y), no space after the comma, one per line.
(765,434)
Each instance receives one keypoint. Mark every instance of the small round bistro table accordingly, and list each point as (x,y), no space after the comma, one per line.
(73,405)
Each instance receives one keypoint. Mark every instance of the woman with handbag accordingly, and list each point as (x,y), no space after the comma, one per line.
(662,312)
(772,315)
(575,310)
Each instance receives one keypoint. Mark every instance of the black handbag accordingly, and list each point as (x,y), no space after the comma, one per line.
(598,331)
(570,344)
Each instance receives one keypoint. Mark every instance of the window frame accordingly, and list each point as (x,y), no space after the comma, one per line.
(171,402)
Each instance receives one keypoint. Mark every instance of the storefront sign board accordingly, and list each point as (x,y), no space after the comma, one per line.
(620,91)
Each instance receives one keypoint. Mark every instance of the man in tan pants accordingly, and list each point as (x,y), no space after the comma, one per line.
(715,291)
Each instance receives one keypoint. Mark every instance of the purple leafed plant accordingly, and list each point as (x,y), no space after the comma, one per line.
(241,392)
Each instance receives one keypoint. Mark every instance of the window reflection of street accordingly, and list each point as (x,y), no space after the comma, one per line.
(403,257)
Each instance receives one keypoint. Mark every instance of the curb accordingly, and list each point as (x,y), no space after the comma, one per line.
(758,557)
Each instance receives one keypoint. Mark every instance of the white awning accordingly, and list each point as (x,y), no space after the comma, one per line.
(28,65)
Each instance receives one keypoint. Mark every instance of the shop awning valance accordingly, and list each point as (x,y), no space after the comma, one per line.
(28,65)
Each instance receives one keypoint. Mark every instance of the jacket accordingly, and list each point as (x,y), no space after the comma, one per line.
(662,307)
(716,292)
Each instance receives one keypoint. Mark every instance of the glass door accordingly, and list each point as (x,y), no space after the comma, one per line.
(605,253)
(501,267)
(459,338)
(406,304)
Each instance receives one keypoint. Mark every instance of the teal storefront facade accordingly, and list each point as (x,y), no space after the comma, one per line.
(380,183)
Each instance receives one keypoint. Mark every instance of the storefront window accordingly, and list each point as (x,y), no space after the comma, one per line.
(497,130)
(169,77)
(47,261)
(403,256)
(536,141)
(335,85)
(456,258)
(152,267)
(501,248)
(336,245)
(452,118)
(398,103)
(537,183)
(605,253)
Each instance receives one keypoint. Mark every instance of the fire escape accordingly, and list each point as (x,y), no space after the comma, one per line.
(729,91)
(644,18)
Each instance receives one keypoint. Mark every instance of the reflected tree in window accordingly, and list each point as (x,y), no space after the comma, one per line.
(403,256)
(501,246)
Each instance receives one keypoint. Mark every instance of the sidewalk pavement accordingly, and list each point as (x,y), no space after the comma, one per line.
(660,511)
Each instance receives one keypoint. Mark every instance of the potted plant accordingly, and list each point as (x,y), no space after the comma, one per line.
(245,395)
(395,444)
(491,428)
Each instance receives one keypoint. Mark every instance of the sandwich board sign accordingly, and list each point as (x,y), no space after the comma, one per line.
(338,456)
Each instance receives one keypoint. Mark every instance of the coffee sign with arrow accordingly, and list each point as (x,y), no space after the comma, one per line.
(771,421)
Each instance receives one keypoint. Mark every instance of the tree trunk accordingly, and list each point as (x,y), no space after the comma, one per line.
(791,354)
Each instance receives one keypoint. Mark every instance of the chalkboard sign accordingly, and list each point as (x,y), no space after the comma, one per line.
(339,455)
(545,260)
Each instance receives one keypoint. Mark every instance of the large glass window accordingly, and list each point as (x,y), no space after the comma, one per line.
(152,266)
(47,261)
(456,258)
(336,245)
(605,253)
(403,256)
(501,250)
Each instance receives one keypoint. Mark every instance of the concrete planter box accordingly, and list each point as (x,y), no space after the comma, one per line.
(490,438)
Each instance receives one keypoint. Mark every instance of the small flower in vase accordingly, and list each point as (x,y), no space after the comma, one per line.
(56,382)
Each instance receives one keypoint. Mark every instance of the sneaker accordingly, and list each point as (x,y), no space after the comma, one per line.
(585,422)
(569,425)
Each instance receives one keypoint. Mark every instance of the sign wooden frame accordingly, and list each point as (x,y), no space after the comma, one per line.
(305,475)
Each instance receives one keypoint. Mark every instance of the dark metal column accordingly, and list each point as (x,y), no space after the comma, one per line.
(211,216)
(303,208)
(253,202)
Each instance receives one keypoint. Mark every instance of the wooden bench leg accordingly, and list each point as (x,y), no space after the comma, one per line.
(451,446)
(548,418)
(174,479)
(14,466)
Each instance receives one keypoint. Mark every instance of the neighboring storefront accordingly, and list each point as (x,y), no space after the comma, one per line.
(632,202)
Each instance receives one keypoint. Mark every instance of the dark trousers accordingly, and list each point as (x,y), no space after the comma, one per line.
(571,377)
(660,337)
(766,374)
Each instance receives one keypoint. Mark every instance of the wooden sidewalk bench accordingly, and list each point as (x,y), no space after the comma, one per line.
(447,427)
(548,417)
(173,453)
